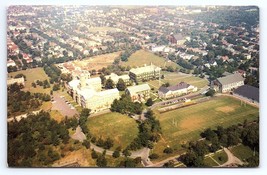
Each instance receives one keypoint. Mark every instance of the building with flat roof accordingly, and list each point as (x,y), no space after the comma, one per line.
(248,92)
(228,83)
(138,93)
(145,73)
(179,89)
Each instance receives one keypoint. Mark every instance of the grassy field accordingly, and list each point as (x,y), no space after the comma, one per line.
(242,152)
(141,57)
(97,62)
(173,78)
(121,128)
(31,76)
(183,125)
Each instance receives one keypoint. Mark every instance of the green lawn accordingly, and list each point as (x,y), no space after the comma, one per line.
(141,57)
(31,76)
(209,162)
(174,78)
(220,157)
(242,152)
(185,124)
(121,128)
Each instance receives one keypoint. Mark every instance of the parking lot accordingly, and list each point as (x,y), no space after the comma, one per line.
(63,106)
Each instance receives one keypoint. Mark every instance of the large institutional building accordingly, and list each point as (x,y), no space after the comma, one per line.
(87,93)
(181,88)
(228,83)
(139,93)
(145,73)
(115,78)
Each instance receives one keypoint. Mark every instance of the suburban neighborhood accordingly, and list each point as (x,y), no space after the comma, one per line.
(133,86)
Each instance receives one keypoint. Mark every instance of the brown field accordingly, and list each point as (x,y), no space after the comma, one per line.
(226,109)
(189,123)
(97,62)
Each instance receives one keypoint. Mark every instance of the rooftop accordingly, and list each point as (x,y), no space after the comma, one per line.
(179,86)
(138,88)
(149,68)
(248,91)
(230,79)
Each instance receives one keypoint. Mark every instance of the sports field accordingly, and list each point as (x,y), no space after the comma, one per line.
(185,124)
(142,57)
(121,128)
(97,62)
(31,76)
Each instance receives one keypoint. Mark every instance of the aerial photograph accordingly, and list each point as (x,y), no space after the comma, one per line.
(132,86)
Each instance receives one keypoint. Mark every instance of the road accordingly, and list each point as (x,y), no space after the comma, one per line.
(19,117)
(143,153)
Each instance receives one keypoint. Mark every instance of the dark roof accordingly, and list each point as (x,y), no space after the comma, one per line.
(163,89)
(181,85)
(248,91)
(230,79)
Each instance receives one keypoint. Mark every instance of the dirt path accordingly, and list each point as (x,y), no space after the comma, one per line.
(232,160)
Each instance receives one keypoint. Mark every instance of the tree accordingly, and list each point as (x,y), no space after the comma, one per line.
(109,84)
(121,85)
(211,93)
(86,143)
(208,134)
(101,161)
(103,79)
(33,85)
(168,150)
(108,143)
(94,155)
(126,152)
(191,159)
(116,154)
(149,102)
(56,87)
(169,164)
(154,156)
